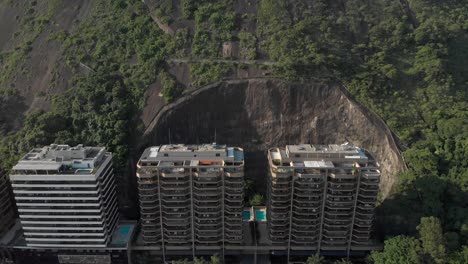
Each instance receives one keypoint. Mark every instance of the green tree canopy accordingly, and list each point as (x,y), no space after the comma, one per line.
(433,242)
(257,200)
(315,259)
(399,249)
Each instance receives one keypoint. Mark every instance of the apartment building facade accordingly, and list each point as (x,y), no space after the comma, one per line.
(321,198)
(66,197)
(191,197)
(6,209)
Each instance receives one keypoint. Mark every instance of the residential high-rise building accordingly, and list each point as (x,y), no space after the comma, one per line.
(6,210)
(66,196)
(191,196)
(321,198)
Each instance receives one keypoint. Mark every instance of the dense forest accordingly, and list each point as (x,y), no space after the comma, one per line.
(405,60)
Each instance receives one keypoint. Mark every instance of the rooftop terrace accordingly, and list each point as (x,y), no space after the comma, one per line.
(192,155)
(62,159)
(319,156)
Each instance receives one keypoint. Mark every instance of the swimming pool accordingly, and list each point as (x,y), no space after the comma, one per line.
(260,215)
(246,215)
(124,230)
(84,171)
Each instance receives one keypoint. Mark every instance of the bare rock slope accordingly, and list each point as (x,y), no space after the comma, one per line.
(257,114)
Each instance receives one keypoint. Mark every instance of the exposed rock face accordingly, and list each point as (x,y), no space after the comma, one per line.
(258,114)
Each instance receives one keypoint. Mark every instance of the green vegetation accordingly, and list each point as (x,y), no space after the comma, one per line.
(399,249)
(248,43)
(407,67)
(170,89)
(215,259)
(164,10)
(34,21)
(406,63)
(213,26)
(257,200)
(315,259)
(205,73)
(107,96)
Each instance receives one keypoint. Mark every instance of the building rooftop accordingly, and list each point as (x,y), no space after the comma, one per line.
(319,156)
(193,154)
(62,159)
(345,149)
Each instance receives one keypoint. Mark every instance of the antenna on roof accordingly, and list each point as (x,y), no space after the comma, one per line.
(170,136)
(215,135)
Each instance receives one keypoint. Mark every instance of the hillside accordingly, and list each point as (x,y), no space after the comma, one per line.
(100,72)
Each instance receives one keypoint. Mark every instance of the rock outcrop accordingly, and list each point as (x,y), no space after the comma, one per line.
(260,113)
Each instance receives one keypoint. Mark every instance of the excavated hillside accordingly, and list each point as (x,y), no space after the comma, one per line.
(260,113)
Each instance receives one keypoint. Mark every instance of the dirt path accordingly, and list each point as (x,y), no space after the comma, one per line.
(248,62)
(166,28)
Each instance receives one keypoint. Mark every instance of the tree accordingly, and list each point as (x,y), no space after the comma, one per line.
(460,257)
(181,261)
(315,259)
(257,200)
(343,261)
(399,249)
(215,259)
(432,237)
(198,260)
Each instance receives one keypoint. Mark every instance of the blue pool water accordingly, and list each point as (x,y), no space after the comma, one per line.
(246,215)
(83,171)
(260,215)
(124,230)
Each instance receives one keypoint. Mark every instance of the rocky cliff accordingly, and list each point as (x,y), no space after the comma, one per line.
(260,113)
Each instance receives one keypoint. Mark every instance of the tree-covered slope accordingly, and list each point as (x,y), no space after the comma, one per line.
(405,60)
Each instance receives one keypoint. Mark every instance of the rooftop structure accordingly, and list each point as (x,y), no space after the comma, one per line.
(321,198)
(62,159)
(191,196)
(66,196)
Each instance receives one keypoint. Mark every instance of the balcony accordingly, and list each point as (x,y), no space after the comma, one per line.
(335,241)
(207,202)
(307,212)
(332,193)
(150,224)
(365,182)
(207,188)
(234,185)
(305,225)
(168,188)
(363,224)
(334,233)
(304,205)
(370,200)
(176,213)
(278,213)
(337,224)
(152,188)
(332,217)
(149,209)
(371,174)
(174,227)
(364,217)
(305,221)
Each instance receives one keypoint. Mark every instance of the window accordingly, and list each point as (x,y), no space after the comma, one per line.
(217,154)
(166,155)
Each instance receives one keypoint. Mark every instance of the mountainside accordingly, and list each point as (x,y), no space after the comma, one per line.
(122,73)
(258,114)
